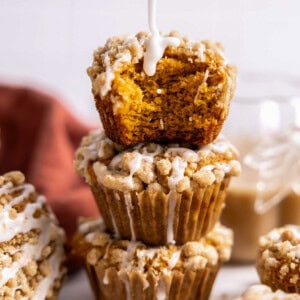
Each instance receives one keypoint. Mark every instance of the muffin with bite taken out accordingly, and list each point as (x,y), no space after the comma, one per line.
(187,99)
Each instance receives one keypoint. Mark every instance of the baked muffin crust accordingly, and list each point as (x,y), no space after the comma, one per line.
(187,99)
(155,166)
(278,261)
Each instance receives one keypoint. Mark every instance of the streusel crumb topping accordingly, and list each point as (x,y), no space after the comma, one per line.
(31,242)
(121,254)
(120,51)
(155,166)
(279,254)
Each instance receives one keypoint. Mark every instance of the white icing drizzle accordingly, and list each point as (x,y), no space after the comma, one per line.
(5,188)
(187,154)
(86,226)
(161,293)
(150,252)
(146,283)
(90,236)
(140,154)
(223,166)
(208,168)
(129,208)
(174,259)
(115,227)
(180,157)
(46,283)
(27,190)
(137,256)
(178,168)
(156,44)
(125,279)
(131,249)
(23,223)
(110,71)
(126,266)
(10,272)
(219,146)
(105,278)
(101,147)
(135,164)
(116,161)
(92,150)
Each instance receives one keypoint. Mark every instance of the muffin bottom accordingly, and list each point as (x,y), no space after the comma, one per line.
(110,284)
(146,216)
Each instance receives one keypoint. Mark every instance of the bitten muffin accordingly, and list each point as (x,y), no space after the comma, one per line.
(186,100)
(263,292)
(278,262)
(31,243)
(123,270)
(155,193)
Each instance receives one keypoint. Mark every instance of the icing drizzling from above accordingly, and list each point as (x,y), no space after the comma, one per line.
(156,44)
(179,166)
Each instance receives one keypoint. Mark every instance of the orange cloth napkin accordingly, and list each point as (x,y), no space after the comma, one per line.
(39,136)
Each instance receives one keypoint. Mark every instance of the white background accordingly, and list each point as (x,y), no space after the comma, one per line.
(49,44)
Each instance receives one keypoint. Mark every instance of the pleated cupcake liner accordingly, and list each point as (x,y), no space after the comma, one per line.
(146,216)
(109,283)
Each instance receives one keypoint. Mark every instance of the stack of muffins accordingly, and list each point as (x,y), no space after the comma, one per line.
(159,171)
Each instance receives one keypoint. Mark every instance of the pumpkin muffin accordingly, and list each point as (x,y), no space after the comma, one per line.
(157,193)
(278,262)
(186,100)
(120,269)
(31,243)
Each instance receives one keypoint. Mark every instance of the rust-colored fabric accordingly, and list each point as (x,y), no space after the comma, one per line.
(38,137)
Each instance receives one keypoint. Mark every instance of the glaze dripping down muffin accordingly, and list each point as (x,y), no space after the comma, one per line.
(157,193)
(120,269)
(186,100)
(31,243)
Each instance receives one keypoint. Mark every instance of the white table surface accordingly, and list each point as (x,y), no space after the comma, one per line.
(231,282)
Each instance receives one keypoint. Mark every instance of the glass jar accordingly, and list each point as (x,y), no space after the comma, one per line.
(264,124)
